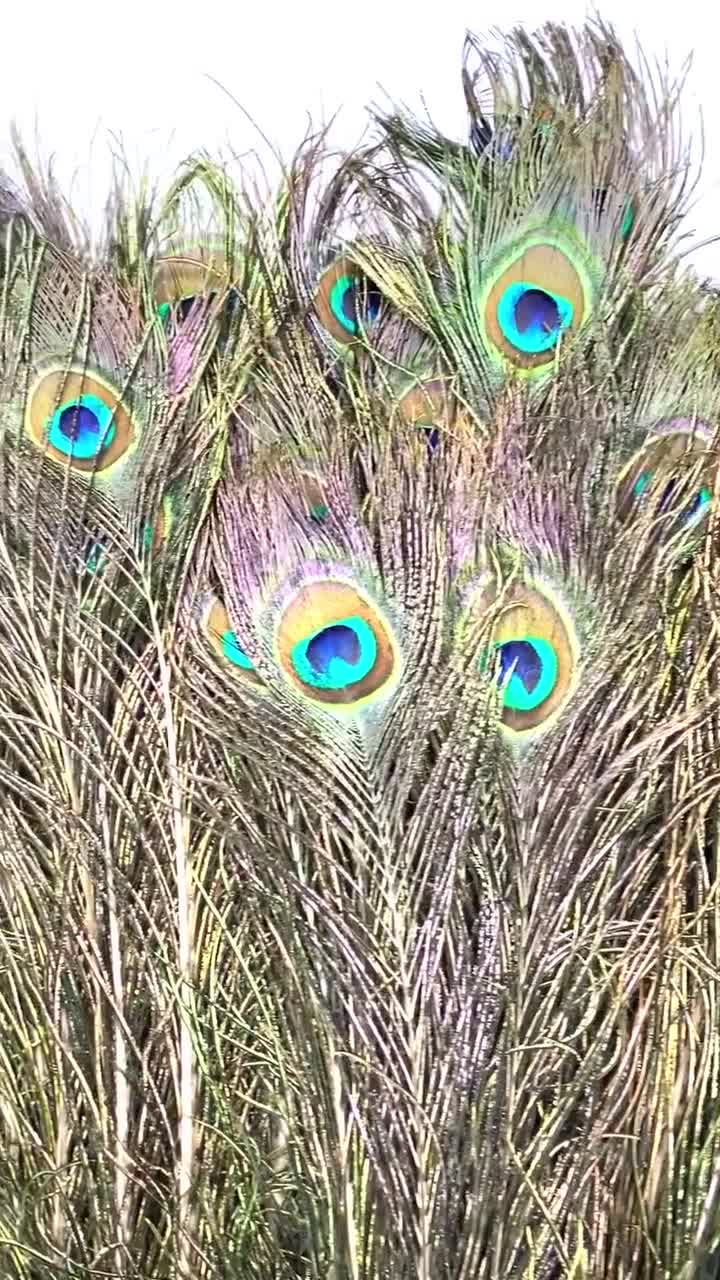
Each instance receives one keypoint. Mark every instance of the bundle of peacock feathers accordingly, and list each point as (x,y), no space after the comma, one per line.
(360,746)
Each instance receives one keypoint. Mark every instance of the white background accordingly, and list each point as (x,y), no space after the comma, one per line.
(80,79)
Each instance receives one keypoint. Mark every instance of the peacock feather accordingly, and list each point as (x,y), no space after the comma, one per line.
(554,247)
(359,707)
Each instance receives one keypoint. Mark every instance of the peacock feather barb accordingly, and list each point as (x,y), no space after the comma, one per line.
(359,706)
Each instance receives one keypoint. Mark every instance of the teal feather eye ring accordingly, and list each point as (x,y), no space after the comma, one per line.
(532,656)
(334,646)
(336,656)
(537,296)
(527,670)
(232,651)
(342,299)
(82,428)
(533,319)
(79,420)
(657,476)
(346,302)
(220,635)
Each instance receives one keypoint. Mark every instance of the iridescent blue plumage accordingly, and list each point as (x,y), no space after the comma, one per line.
(82,428)
(532,318)
(532,667)
(337,655)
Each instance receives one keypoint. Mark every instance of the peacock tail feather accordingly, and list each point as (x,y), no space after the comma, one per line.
(359,706)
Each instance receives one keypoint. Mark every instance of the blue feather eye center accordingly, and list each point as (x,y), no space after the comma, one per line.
(185,305)
(538,294)
(82,428)
(337,655)
(76,418)
(233,652)
(531,654)
(531,318)
(657,479)
(334,644)
(179,310)
(527,671)
(354,302)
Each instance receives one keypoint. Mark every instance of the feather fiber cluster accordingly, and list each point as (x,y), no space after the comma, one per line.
(359,706)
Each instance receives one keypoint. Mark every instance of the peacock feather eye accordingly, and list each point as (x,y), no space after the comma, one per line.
(347,302)
(531,656)
(334,645)
(183,308)
(179,282)
(537,296)
(655,476)
(429,406)
(223,640)
(180,279)
(78,419)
